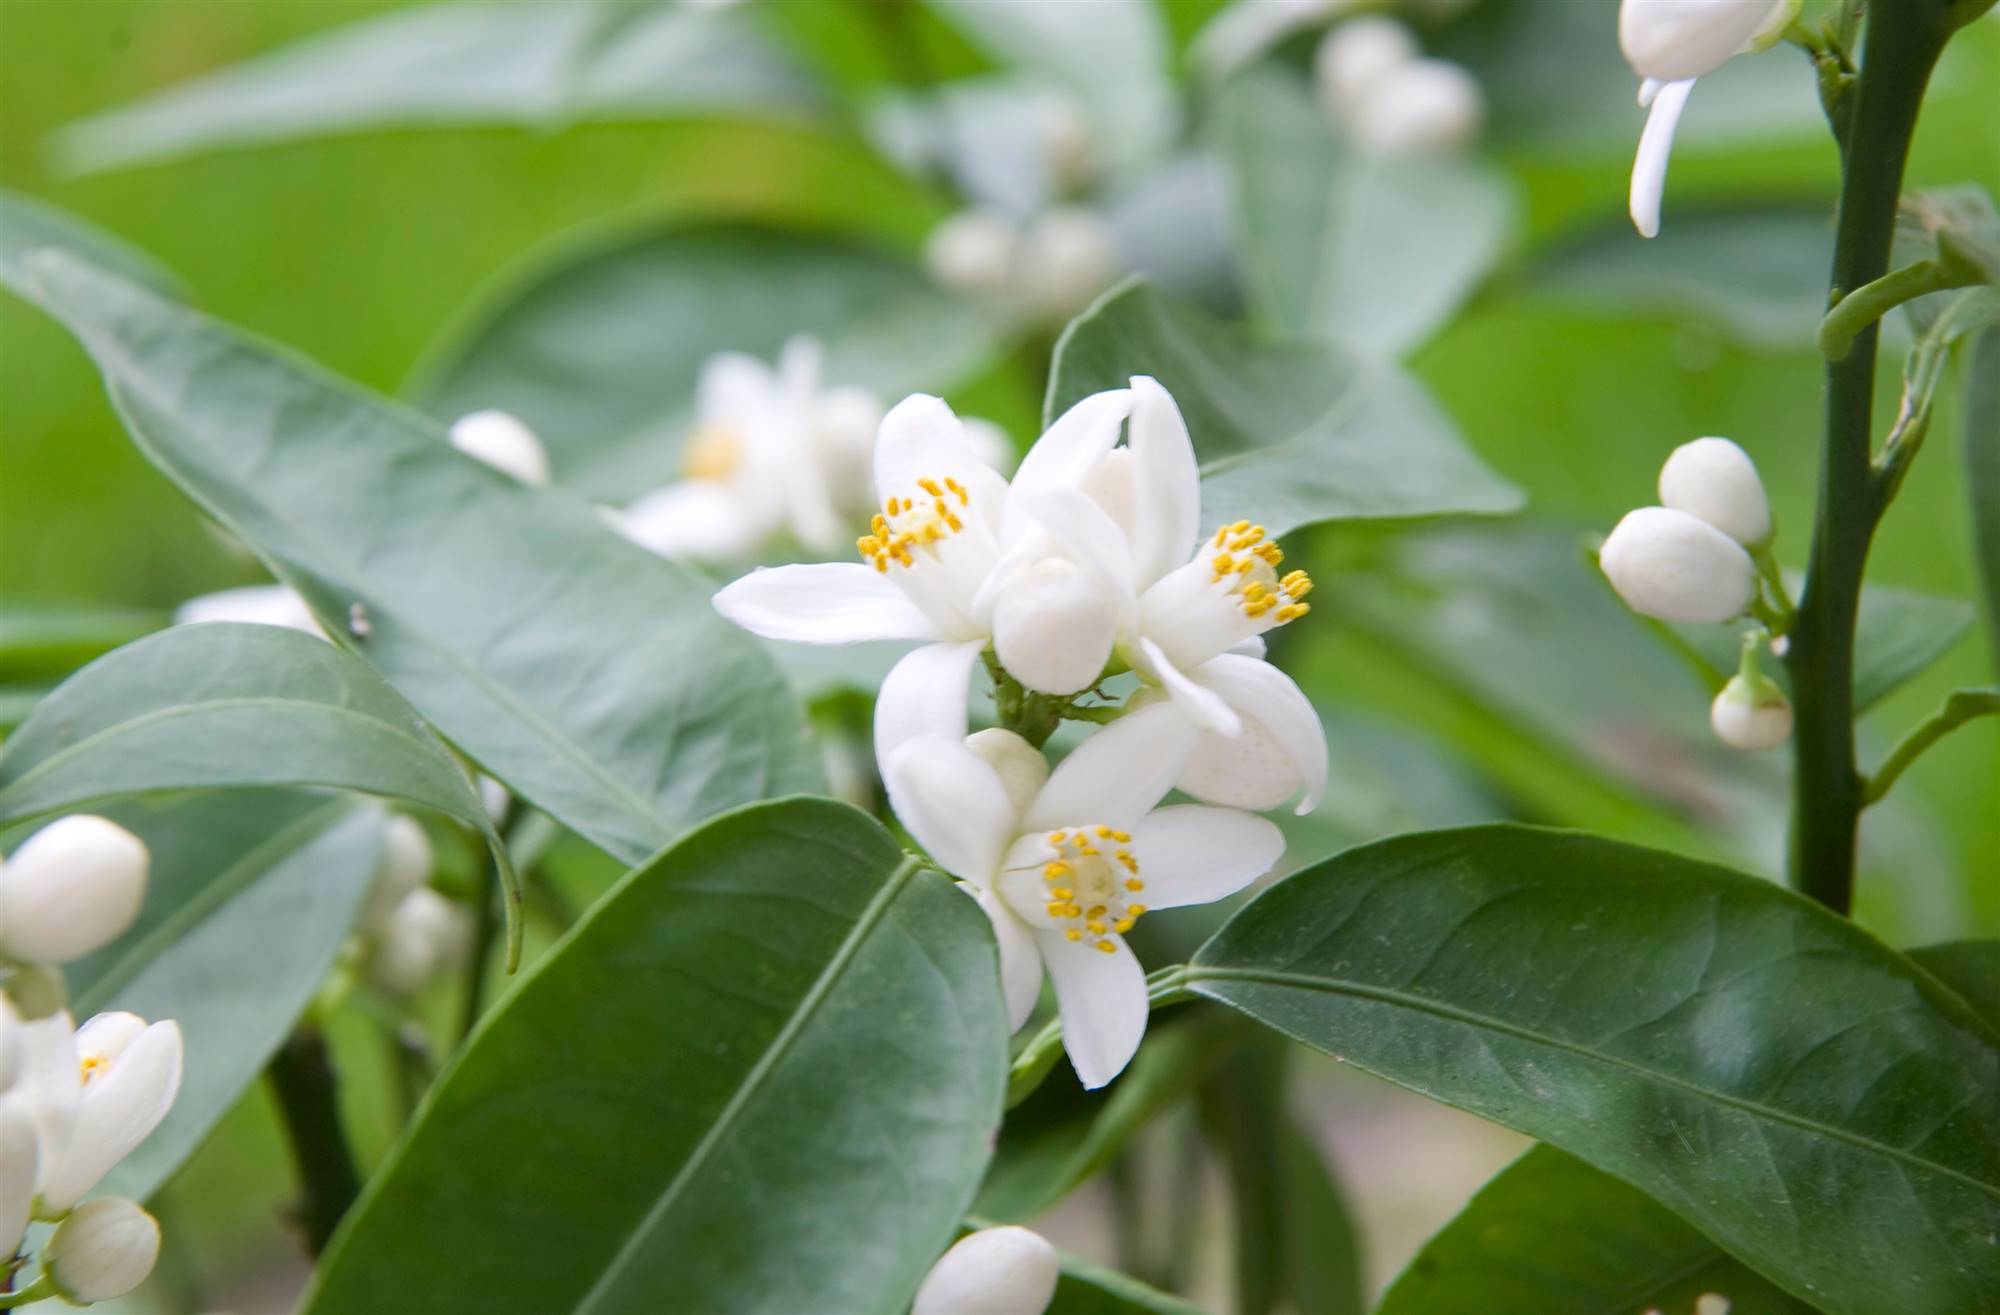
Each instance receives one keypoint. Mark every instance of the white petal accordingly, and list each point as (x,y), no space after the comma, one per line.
(697,519)
(255,604)
(732,389)
(1168,509)
(1053,627)
(1020,961)
(1103,1002)
(996,1271)
(117,1112)
(922,439)
(1194,854)
(20,1156)
(1065,455)
(953,803)
(1199,704)
(1266,696)
(1656,143)
(504,443)
(822,603)
(51,1082)
(925,694)
(1087,533)
(1118,774)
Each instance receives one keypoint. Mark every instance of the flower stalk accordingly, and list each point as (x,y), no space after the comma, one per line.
(302,1077)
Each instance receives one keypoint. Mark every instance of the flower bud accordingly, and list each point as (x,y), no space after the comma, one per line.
(503,443)
(973,252)
(1068,256)
(1020,766)
(1671,40)
(425,936)
(1714,479)
(131,1074)
(1355,57)
(1751,713)
(20,1153)
(406,864)
(1053,627)
(1424,107)
(996,1271)
(1672,566)
(13,1046)
(104,1249)
(257,604)
(73,886)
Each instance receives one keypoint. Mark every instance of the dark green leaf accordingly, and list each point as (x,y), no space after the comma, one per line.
(599,347)
(250,897)
(1982,468)
(539,65)
(1971,968)
(1554,1236)
(1288,434)
(761,1075)
(40,640)
(1365,251)
(1087,1289)
(1802,1094)
(587,674)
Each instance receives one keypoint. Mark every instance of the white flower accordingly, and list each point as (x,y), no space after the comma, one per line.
(1715,480)
(424,936)
(1064,870)
(995,1271)
(257,604)
(1672,566)
(504,443)
(973,252)
(1670,43)
(96,1093)
(103,1250)
(1751,713)
(1041,270)
(406,864)
(1424,107)
(1354,57)
(69,889)
(20,1153)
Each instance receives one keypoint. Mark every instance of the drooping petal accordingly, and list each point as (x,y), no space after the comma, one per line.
(1167,509)
(117,1112)
(1279,722)
(1103,1001)
(696,519)
(925,694)
(1064,455)
(1198,703)
(1020,961)
(1117,775)
(1195,854)
(1656,143)
(823,603)
(953,802)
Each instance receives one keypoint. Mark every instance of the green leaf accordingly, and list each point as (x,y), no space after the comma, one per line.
(1982,469)
(1288,433)
(587,674)
(250,897)
(1087,1289)
(540,65)
(1971,968)
(1365,251)
(27,225)
(598,346)
(1805,1096)
(1554,1236)
(761,1075)
(42,640)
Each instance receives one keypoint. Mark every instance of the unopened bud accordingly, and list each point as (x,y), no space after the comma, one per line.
(1751,713)
(104,1249)
(256,604)
(973,251)
(406,864)
(1354,58)
(73,886)
(504,443)
(1053,628)
(1020,766)
(1714,479)
(425,935)
(1672,566)
(132,1072)
(1424,107)
(1675,39)
(1068,256)
(996,1271)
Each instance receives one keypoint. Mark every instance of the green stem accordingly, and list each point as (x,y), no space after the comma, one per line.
(485,925)
(302,1077)
(1866,305)
(1960,707)
(1902,45)
(42,1289)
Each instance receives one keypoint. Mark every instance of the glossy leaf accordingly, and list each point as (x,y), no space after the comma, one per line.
(1369,252)
(585,673)
(250,897)
(599,347)
(777,1051)
(1288,434)
(1971,968)
(539,65)
(1803,1095)
(40,640)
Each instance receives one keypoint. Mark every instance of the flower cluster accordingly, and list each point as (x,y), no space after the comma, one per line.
(409,933)
(1039,269)
(74,1101)
(1391,99)
(1092,563)
(1704,555)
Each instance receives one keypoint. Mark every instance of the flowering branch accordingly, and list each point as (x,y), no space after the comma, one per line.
(1866,305)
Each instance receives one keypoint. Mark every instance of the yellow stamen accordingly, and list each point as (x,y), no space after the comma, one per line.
(1134,885)
(1107,947)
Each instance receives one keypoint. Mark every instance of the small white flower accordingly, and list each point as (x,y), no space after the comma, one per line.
(1670,43)
(427,934)
(96,1093)
(1714,479)
(69,889)
(257,604)
(104,1249)
(1751,713)
(1352,59)
(973,252)
(20,1154)
(1064,877)
(1672,566)
(995,1271)
(1041,270)
(1424,107)
(504,443)
(405,865)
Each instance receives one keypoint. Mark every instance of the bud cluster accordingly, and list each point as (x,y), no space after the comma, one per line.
(1389,97)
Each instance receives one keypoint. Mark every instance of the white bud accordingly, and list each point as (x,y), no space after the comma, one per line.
(1020,766)
(13,1046)
(1424,107)
(73,886)
(1672,40)
(1711,1303)
(1355,57)
(996,1271)
(1714,479)
(1066,137)
(406,864)
(1054,626)
(504,443)
(425,936)
(493,796)
(1672,566)
(131,1074)
(973,252)
(103,1249)
(1751,714)
(1068,256)
(257,604)
(20,1154)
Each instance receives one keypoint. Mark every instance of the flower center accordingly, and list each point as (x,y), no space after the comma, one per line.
(1089,882)
(713,453)
(906,525)
(1245,563)
(93,1066)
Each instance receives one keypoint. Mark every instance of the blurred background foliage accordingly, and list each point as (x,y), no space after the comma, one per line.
(365,251)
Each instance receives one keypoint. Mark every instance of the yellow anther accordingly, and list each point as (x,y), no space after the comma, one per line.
(90,1065)
(1223,564)
(1271,553)
(1134,885)
(1259,607)
(1135,910)
(1107,947)
(1293,611)
(1073,935)
(1122,837)
(1062,893)
(880,523)
(1104,832)
(1222,536)
(1254,590)
(1239,527)
(964,498)
(1096,926)
(882,565)
(1129,863)
(1097,910)
(1085,848)
(953,521)
(1245,565)
(1123,925)
(1057,837)
(1056,869)
(930,486)
(1055,910)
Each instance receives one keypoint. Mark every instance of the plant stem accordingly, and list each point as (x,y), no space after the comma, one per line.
(1865,305)
(1959,708)
(1903,42)
(485,923)
(302,1076)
